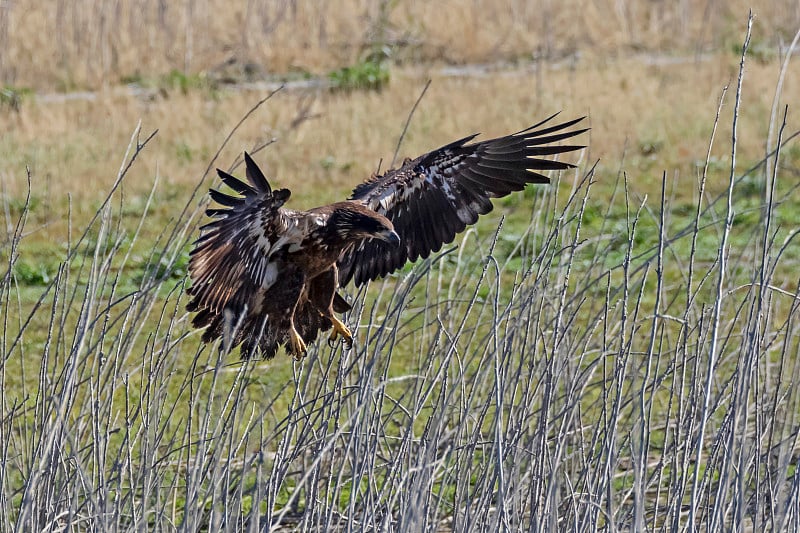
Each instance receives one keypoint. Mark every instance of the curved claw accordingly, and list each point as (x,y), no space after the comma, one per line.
(347,342)
(340,329)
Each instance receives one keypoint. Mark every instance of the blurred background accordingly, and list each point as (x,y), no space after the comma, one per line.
(86,44)
(76,77)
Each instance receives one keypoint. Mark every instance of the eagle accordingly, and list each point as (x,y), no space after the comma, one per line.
(264,276)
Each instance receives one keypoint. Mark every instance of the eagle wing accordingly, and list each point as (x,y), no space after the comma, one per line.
(237,255)
(437,195)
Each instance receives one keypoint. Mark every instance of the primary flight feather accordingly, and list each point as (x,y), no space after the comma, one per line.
(264,275)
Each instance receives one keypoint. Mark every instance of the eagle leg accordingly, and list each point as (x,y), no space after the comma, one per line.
(297,346)
(340,329)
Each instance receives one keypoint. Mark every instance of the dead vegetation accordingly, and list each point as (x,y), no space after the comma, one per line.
(46,44)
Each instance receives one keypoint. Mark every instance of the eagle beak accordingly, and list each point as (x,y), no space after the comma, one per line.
(390,236)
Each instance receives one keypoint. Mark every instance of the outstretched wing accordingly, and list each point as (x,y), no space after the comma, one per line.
(437,195)
(234,257)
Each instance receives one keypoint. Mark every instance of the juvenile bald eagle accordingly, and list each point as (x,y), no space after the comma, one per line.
(264,275)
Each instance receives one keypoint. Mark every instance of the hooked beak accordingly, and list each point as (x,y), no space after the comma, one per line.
(389,236)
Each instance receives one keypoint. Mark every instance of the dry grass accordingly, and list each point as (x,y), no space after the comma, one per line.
(45,43)
(649,113)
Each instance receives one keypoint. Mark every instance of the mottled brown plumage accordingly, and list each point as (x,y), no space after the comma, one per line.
(264,275)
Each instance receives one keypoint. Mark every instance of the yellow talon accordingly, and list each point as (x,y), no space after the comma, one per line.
(298,347)
(340,329)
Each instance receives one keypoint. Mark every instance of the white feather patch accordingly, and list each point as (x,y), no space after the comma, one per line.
(270,275)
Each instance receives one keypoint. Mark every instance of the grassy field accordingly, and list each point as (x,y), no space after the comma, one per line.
(94,43)
(616,350)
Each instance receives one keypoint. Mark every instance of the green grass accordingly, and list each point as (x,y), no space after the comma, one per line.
(12,97)
(368,74)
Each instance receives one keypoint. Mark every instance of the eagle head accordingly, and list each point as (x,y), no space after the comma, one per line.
(354,221)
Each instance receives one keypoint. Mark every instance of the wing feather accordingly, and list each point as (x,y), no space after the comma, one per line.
(236,252)
(435,196)
(236,184)
(224,199)
(255,176)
